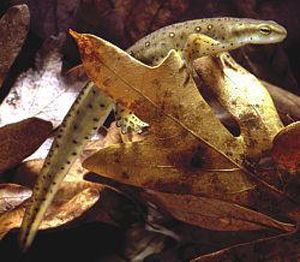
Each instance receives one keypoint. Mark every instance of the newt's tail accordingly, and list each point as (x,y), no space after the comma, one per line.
(88,112)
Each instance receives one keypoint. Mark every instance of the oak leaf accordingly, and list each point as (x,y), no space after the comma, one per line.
(188,150)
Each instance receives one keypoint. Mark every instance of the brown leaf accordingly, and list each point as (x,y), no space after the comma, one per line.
(72,209)
(283,248)
(215,214)
(14,26)
(12,195)
(20,140)
(286,148)
(11,219)
(73,198)
(287,104)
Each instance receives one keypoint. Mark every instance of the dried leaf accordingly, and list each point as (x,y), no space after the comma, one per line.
(215,214)
(73,199)
(283,248)
(12,195)
(287,104)
(19,140)
(72,209)
(286,148)
(14,26)
(43,92)
(11,219)
(188,150)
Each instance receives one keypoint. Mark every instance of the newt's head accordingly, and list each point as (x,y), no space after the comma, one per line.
(254,31)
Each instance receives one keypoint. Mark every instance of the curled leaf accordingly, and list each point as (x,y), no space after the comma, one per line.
(286,148)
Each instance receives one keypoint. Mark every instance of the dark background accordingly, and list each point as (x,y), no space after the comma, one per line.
(125,21)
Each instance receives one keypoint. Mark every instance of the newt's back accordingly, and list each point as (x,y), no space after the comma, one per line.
(234,31)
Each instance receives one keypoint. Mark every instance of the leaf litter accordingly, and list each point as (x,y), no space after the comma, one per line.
(184,200)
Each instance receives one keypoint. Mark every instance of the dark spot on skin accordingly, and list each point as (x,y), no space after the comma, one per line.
(231,44)
(95,128)
(94,92)
(125,175)
(86,137)
(68,162)
(62,168)
(95,119)
(102,105)
(74,153)
(78,112)
(90,106)
(59,136)
(75,127)
(74,141)
(57,145)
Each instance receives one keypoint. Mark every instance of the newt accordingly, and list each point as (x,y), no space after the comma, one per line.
(191,39)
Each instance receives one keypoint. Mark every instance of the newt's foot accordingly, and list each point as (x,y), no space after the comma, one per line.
(128,122)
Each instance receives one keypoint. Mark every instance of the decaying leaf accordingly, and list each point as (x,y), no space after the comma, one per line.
(287,104)
(214,214)
(14,26)
(283,248)
(188,150)
(41,92)
(286,148)
(12,195)
(19,140)
(73,199)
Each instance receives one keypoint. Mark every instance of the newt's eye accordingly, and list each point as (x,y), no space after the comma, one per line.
(265,30)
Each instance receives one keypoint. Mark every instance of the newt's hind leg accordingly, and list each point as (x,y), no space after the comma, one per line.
(128,122)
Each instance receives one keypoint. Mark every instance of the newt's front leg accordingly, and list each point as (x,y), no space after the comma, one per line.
(128,122)
(199,45)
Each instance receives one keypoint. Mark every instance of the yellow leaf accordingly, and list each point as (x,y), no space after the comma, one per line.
(188,150)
